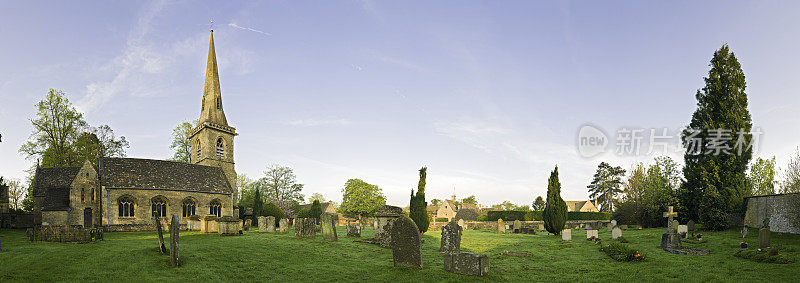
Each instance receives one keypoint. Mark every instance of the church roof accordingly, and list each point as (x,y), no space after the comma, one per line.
(58,177)
(138,173)
(56,199)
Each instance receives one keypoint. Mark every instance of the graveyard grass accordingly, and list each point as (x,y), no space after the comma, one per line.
(133,256)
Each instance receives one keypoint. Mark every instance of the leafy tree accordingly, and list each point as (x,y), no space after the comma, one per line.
(246,191)
(648,193)
(555,210)
(791,177)
(56,128)
(718,142)
(605,185)
(16,192)
(279,186)
(316,196)
(436,202)
(538,204)
(315,211)
(761,177)
(418,208)
(360,198)
(181,146)
(505,205)
(471,200)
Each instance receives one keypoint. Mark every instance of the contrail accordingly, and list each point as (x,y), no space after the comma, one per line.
(246,28)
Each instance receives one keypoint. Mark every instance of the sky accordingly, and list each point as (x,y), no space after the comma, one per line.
(488,95)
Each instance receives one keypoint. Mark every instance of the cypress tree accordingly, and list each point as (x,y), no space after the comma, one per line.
(418,207)
(555,209)
(715,176)
(258,204)
(315,211)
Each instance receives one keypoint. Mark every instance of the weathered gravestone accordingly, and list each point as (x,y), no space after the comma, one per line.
(541,227)
(161,247)
(517,226)
(298,227)
(566,235)
(328,227)
(270,224)
(616,233)
(310,227)
(592,233)
(674,226)
(173,241)
(283,225)
(501,227)
(228,225)
(451,238)
(467,264)
(406,244)
(353,229)
(247,223)
(763,235)
(690,225)
(611,225)
(683,231)
(262,224)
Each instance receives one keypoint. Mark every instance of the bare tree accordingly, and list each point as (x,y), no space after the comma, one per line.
(16,193)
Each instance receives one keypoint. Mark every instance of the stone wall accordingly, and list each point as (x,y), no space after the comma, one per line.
(783,212)
(143,209)
(54,218)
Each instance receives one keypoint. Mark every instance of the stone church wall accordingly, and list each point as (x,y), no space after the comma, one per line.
(143,219)
(783,212)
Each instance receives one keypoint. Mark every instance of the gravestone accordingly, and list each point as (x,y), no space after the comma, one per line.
(616,233)
(298,227)
(161,247)
(683,230)
(328,227)
(611,225)
(241,226)
(541,227)
(228,225)
(763,235)
(283,225)
(592,233)
(690,225)
(461,223)
(670,240)
(262,224)
(566,235)
(406,244)
(674,226)
(310,228)
(517,226)
(173,239)
(467,264)
(270,224)
(744,231)
(501,227)
(247,223)
(353,229)
(451,238)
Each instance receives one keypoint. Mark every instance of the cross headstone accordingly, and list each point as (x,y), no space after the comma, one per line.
(501,227)
(283,225)
(262,224)
(616,233)
(451,238)
(406,244)
(566,235)
(173,237)
(270,224)
(161,247)
(670,214)
(763,235)
(328,227)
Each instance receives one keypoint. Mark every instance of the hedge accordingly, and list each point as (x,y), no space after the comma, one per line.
(511,215)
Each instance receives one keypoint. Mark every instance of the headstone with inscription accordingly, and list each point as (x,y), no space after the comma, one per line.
(283,226)
(451,238)
(763,235)
(406,243)
(328,227)
(262,224)
(501,227)
(616,233)
(270,224)
(467,264)
(566,235)
(298,227)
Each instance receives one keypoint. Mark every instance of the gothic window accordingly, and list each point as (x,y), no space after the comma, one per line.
(197,148)
(216,208)
(92,194)
(220,147)
(126,205)
(82,194)
(159,206)
(188,207)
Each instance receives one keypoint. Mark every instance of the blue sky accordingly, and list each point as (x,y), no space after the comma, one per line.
(489,95)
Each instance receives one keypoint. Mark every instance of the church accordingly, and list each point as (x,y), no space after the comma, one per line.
(126,194)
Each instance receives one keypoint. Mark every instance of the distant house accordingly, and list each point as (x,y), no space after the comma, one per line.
(450,208)
(581,205)
(325,206)
(330,207)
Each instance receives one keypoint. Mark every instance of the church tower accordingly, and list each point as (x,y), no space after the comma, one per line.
(212,138)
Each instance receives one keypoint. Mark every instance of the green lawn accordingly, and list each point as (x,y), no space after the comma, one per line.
(133,256)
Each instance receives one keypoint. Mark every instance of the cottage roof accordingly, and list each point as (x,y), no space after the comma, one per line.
(138,173)
(58,177)
(56,199)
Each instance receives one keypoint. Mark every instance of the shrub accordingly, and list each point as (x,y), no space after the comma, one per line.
(767,256)
(622,239)
(482,218)
(555,210)
(315,210)
(270,209)
(441,219)
(506,215)
(621,252)
(466,214)
(304,213)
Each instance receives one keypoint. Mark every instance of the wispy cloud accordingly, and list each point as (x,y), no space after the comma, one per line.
(234,25)
(318,122)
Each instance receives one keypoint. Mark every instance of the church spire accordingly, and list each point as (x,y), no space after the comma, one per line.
(211,109)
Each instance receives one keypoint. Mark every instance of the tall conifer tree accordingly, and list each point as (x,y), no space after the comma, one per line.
(418,207)
(555,209)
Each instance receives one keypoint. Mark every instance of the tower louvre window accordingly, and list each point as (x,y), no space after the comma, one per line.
(220,147)
(219,103)
(197,148)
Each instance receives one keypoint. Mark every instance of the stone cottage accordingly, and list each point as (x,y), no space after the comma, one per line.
(127,193)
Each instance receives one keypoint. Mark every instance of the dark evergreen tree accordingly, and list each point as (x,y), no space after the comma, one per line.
(555,209)
(258,204)
(315,210)
(418,207)
(270,209)
(715,156)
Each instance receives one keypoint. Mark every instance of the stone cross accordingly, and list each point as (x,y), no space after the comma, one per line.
(406,243)
(451,238)
(173,237)
(161,247)
(670,214)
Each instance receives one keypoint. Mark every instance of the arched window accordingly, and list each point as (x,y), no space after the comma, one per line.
(159,205)
(92,194)
(216,208)
(126,205)
(188,207)
(220,147)
(82,193)
(197,148)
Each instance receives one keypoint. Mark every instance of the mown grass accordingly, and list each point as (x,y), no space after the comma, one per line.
(257,256)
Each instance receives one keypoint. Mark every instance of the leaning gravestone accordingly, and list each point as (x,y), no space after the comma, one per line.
(406,244)
(298,227)
(262,224)
(270,224)
(763,235)
(616,233)
(592,233)
(161,247)
(501,227)
(328,227)
(353,229)
(566,235)
(451,238)
(467,264)
(173,238)
(283,225)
